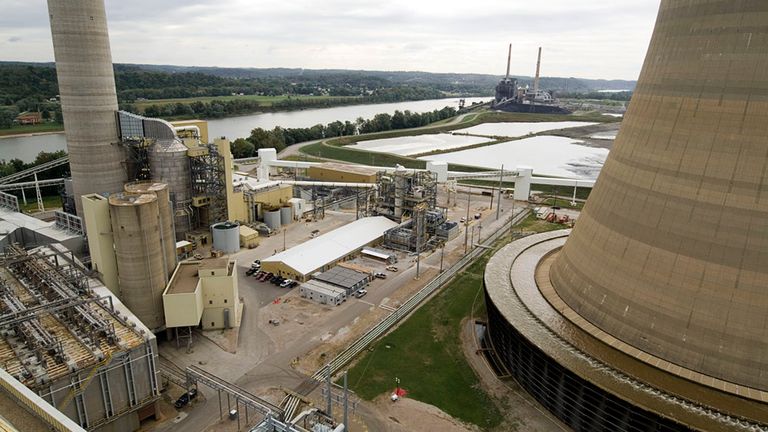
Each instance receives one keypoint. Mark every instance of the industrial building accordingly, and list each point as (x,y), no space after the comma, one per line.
(321,253)
(348,279)
(203,293)
(72,342)
(323,293)
(343,173)
(650,314)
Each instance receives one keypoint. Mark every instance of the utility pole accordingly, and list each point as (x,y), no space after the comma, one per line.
(466,221)
(501,179)
(442,254)
(346,404)
(329,402)
(472,242)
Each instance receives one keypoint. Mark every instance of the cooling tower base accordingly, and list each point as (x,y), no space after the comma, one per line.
(586,378)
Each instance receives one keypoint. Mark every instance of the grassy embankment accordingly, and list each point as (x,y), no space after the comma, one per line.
(425,351)
(335,148)
(31,129)
(49,202)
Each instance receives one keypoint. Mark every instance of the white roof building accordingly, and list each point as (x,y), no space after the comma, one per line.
(322,251)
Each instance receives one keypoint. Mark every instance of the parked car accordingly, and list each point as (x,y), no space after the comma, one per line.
(258,274)
(265,277)
(286,283)
(392,268)
(255,265)
(184,399)
(478,215)
(361,293)
(293,284)
(277,280)
(250,271)
(380,275)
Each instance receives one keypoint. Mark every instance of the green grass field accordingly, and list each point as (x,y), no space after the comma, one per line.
(29,129)
(264,101)
(49,202)
(425,351)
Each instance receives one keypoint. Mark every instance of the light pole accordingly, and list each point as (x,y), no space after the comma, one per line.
(498,203)
(466,221)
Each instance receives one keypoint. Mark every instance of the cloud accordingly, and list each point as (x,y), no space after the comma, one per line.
(591,38)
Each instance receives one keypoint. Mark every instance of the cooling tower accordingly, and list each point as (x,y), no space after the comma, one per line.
(651,313)
(670,254)
(141,273)
(88,99)
(167,235)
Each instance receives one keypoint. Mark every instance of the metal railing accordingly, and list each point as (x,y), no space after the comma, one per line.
(414,301)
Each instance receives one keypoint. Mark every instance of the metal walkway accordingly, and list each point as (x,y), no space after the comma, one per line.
(34,170)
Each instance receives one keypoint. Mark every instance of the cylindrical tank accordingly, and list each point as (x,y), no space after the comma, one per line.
(138,247)
(167,233)
(272,219)
(286,215)
(170,165)
(88,99)
(226,236)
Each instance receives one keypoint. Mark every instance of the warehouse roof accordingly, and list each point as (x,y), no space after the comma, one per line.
(318,252)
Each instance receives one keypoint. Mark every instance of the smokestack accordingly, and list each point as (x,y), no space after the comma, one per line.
(88,97)
(509,59)
(536,80)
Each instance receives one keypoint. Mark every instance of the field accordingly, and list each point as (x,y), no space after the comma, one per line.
(30,129)
(264,101)
(425,351)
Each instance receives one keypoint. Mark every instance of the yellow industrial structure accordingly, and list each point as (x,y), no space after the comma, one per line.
(203,292)
(100,240)
(249,237)
(336,172)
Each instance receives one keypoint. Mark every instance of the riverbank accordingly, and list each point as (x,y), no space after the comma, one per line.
(32,130)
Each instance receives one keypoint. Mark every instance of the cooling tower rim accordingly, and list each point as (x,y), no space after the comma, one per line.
(510,286)
(124,199)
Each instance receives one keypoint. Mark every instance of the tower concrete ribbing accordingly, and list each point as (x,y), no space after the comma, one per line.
(88,97)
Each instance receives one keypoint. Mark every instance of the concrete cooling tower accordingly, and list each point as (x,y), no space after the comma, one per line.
(653,314)
(88,97)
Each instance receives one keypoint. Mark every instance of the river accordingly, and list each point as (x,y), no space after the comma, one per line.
(27,147)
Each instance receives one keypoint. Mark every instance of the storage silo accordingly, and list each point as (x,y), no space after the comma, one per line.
(141,273)
(226,236)
(272,219)
(164,204)
(170,165)
(286,215)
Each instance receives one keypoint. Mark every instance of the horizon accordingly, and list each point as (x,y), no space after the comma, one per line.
(343,35)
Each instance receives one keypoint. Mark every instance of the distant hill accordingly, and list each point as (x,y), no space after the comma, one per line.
(570,84)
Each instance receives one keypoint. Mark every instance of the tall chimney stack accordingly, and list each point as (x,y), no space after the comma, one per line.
(536,79)
(509,59)
(88,96)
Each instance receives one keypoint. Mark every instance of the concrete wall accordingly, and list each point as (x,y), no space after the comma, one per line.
(100,239)
(220,291)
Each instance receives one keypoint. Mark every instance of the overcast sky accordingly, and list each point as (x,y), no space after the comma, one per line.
(586,39)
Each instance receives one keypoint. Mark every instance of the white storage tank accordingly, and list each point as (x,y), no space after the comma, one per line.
(299,207)
(286,215)
(226,236)
(272,219)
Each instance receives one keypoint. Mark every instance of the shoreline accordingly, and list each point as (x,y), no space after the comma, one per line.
(31,134)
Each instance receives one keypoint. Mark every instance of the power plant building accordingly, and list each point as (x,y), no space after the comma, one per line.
(321,253)
(203,293)
(650,314)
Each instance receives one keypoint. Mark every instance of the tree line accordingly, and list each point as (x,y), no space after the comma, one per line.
(279,138)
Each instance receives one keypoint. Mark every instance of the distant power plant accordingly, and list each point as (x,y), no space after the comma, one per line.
(652,315)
